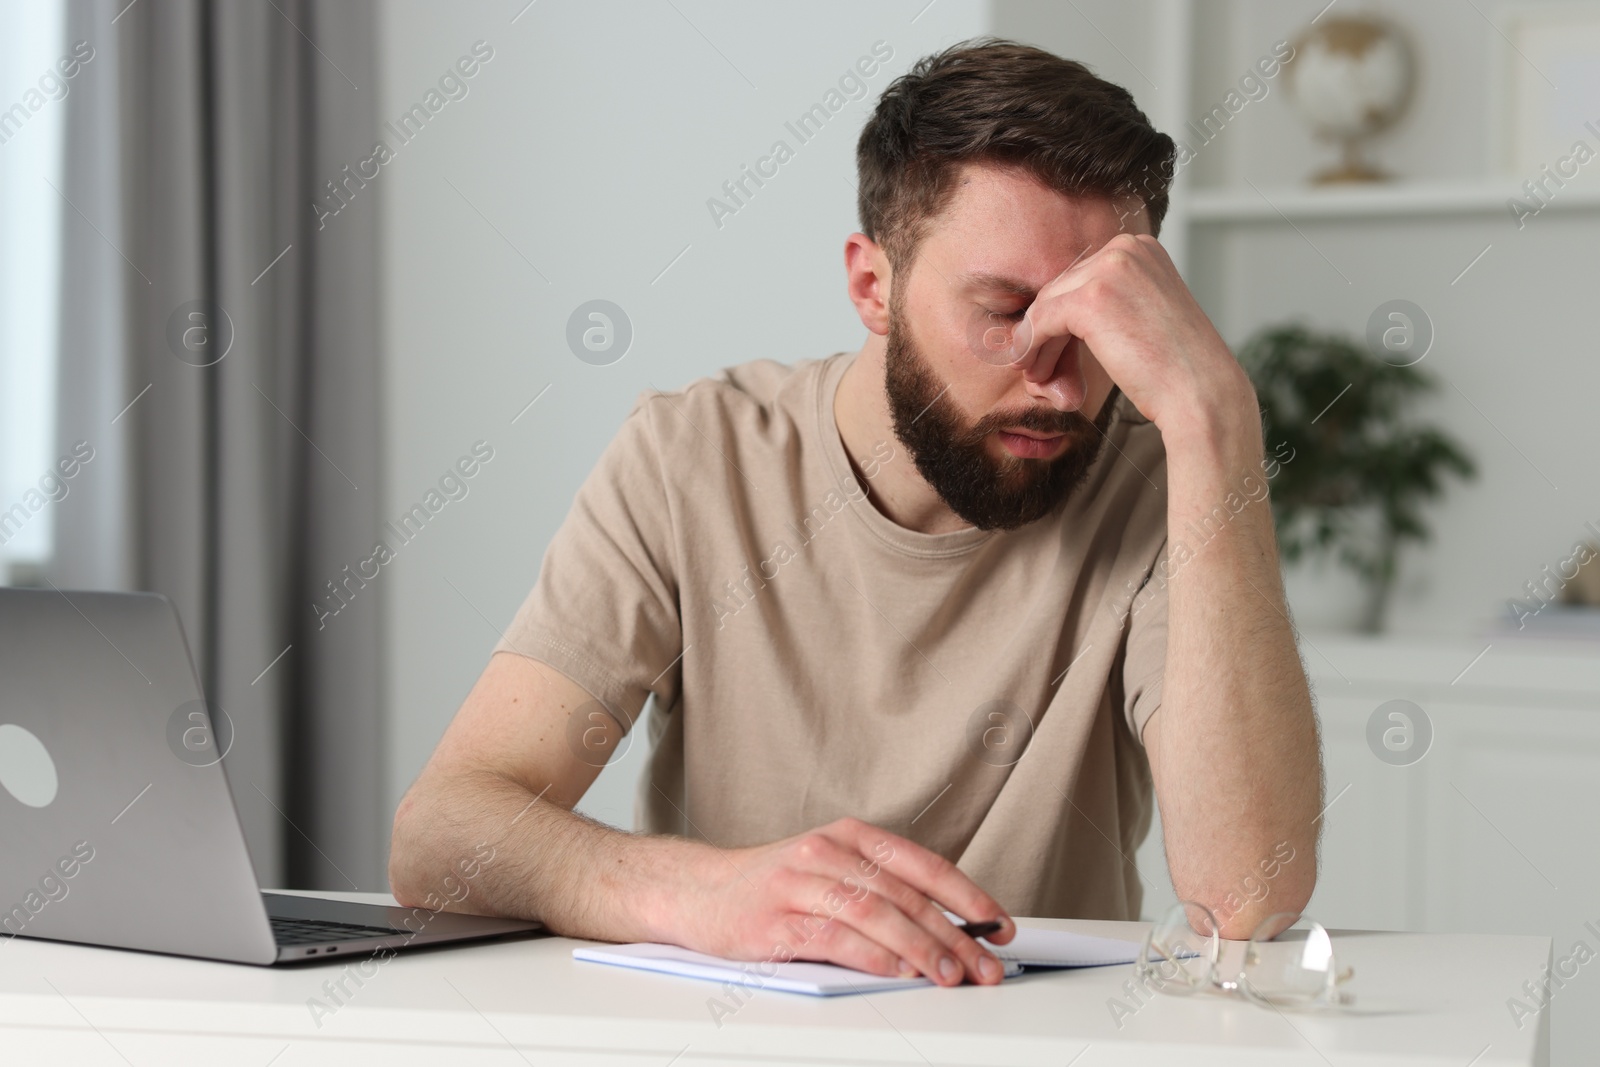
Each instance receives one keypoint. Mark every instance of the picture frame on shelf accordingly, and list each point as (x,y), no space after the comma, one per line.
(1544,86)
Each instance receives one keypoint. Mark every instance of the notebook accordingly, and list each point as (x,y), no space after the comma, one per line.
(1032,947)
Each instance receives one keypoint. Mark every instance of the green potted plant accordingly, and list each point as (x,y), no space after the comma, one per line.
(1361,470)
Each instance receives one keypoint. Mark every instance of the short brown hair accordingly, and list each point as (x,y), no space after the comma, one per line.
(990,100)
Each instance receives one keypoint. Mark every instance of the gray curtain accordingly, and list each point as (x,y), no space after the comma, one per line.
(219,354)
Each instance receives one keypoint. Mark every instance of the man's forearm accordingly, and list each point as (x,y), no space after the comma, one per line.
(1241,773)
(581,878)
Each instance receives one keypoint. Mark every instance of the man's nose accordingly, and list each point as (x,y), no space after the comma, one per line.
(1054,374)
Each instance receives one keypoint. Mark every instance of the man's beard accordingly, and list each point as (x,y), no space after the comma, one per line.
(954,459)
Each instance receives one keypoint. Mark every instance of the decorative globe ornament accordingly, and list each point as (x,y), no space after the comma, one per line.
(1351,77)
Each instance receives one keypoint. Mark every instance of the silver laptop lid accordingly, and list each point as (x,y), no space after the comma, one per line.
(116,823)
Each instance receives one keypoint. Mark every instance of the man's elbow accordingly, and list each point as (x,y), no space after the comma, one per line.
(1280,886)
(1283,907)
(407,852)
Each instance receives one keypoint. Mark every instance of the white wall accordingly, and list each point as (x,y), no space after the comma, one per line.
(590,144)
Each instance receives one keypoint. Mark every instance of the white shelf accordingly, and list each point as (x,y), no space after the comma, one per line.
(1274,204)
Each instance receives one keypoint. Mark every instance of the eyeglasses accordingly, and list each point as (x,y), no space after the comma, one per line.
(1288,962)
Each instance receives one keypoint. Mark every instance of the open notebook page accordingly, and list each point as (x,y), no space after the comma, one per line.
(1032,947)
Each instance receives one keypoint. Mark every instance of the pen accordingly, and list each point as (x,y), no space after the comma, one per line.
(980,929)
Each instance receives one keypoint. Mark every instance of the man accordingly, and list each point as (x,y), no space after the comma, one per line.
(923,623)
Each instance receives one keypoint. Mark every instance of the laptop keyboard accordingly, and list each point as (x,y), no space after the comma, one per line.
(316,931)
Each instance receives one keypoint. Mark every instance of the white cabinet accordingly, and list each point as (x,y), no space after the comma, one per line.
(1512,798)
(1365,827)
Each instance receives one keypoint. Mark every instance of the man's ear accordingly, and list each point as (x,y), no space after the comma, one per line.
(868,277)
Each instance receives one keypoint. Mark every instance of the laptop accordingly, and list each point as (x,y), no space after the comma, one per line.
(117,826)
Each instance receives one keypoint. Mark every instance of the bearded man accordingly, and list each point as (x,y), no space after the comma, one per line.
(927,626)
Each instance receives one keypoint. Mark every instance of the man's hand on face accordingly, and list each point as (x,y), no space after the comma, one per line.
(1129,306)
(846,893)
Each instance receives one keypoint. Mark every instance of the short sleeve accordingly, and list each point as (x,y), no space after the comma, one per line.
(1145,656)
(604,609)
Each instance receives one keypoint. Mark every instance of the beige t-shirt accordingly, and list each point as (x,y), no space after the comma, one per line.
(981,693)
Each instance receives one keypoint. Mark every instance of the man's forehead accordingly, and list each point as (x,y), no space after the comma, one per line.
(1005,231)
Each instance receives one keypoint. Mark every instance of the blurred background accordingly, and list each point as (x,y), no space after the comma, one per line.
(268,271)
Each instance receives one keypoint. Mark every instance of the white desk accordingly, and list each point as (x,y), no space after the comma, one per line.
(1435,999)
